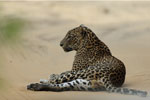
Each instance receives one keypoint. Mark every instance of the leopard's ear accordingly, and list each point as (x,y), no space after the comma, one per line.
(82,25)
(83,30)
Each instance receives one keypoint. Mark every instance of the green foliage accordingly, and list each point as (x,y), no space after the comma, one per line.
(10,29)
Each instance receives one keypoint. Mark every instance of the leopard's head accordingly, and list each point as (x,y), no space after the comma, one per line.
(73,39)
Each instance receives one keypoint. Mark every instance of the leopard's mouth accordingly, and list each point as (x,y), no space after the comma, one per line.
(67,49)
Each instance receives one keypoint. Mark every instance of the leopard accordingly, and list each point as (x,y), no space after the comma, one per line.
(94,67)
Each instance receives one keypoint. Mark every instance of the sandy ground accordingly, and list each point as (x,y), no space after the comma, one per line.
(123,26)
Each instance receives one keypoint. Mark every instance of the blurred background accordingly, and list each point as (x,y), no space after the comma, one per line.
(30,33)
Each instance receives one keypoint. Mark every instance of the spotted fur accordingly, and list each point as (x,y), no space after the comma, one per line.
(94,67)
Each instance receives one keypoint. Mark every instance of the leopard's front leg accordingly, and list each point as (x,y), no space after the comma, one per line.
(80,80)
(75,85)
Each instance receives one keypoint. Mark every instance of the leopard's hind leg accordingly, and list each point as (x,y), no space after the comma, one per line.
(53,77)
(50,78)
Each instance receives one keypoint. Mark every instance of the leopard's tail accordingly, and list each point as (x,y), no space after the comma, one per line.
(110,88)
(127,91)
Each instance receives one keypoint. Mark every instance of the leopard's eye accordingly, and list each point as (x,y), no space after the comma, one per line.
(69,36)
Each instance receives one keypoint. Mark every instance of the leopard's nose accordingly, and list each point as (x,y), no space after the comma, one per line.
(61,44)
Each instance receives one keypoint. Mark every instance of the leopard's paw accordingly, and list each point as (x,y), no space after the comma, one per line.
(35,87)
